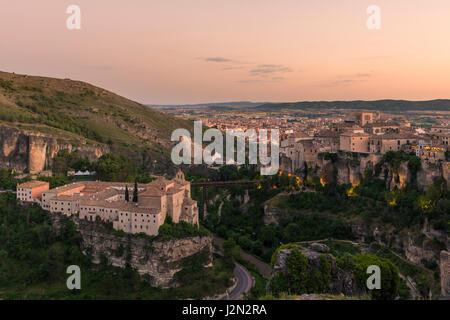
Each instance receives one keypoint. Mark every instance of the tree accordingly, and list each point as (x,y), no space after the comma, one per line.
(135,192)
(115,167)
(297,271)
(127,194)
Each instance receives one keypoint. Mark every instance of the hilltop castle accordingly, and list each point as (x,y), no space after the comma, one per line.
(93,200)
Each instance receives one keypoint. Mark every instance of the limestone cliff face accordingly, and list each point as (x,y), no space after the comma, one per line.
(445,273)
(349,169)
(414,247)
(430,171)
(25,149)
(160,260)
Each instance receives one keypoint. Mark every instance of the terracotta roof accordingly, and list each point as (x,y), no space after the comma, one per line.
(32,184)
(355,134)
(131,207)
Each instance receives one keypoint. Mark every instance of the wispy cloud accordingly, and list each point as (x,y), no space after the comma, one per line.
(217,59)
(232,68)
(346,80)
(261,80)
(264,70)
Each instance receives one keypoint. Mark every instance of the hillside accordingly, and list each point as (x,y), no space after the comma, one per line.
(382,105)
(81,114)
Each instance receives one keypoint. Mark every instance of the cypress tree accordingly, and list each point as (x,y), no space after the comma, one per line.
(135,192)
(127,194)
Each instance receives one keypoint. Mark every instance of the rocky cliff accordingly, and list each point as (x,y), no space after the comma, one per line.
(26,149)
(349,168)
(157,260)
(414,246)
(445,273)
(340,281)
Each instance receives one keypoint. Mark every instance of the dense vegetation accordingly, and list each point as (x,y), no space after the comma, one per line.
(301,278)
(316,210)
(322,212)
(170,230)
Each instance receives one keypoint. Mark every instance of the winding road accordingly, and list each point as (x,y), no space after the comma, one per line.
(244,283)
(244,278)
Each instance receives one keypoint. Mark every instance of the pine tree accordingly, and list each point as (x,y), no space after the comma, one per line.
(135,192)
(127,194)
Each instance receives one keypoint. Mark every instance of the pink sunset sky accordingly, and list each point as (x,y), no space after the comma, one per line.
(195,51)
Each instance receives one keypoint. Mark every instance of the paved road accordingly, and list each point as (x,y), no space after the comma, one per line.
(244,279)
(263,268)
(244,283)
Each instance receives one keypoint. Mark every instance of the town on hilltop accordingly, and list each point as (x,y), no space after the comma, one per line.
(303,139)
(91,200)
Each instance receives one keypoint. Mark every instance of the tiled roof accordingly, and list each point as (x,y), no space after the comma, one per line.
(32,184)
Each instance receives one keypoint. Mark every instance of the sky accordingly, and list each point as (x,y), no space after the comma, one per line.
(197,51)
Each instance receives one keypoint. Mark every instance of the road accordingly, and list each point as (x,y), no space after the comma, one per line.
(244,283)
(263,268)
(244,277)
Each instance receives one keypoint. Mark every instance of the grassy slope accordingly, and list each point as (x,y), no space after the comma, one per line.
(67,108)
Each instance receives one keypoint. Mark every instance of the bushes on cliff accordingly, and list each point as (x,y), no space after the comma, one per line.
(6,180)
(390,280)
(115,167)
(65,160)
(170,230)
(300,278)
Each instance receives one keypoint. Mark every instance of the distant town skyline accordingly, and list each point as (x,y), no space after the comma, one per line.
(193,52)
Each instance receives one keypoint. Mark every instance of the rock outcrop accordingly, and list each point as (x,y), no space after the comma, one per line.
(26,149)
(349,168)
(445,273)
(158,260)
(340,282)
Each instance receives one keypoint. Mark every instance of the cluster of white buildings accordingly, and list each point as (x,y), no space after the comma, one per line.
(93,200)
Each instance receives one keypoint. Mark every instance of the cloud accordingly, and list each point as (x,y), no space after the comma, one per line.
(250,81)
(272,79)
(217,59)
(232,68)
(264,70)
(346,80)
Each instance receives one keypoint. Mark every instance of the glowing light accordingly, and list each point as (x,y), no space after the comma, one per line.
(322,182)
(351,192)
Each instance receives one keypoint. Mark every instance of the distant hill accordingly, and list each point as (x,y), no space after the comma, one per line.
(212,104)
(382,105)
(81,113)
